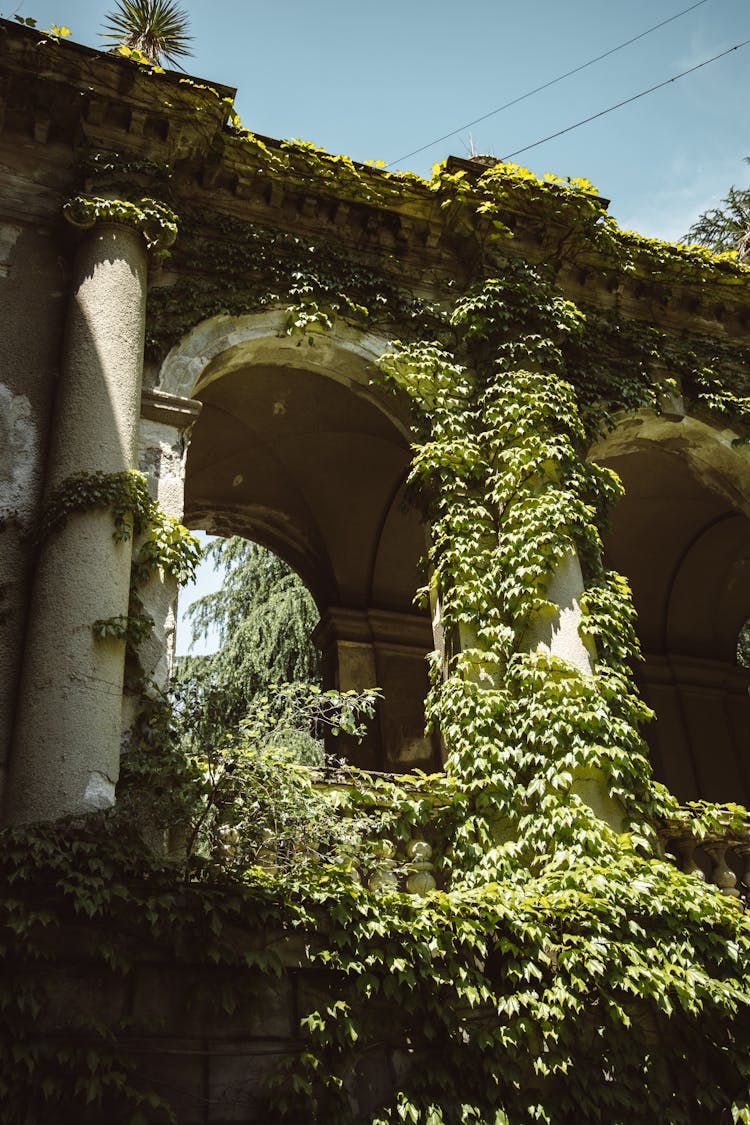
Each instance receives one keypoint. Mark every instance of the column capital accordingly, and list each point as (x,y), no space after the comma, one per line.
(157,223)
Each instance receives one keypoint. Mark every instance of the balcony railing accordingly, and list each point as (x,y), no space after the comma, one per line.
(712,844)
(400,861)
(718,852)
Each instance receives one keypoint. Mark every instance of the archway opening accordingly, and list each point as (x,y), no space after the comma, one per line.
(685,547)
(315,469)
(247,656)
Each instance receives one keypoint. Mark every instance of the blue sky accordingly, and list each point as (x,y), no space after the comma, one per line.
(378,81)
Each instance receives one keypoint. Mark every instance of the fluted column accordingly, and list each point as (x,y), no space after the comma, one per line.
(66,745)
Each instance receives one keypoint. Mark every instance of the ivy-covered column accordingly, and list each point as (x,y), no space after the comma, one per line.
(66,744)
(534,697)
(559,631)
(164,555)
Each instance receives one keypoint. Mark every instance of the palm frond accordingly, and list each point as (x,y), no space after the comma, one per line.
(156,28)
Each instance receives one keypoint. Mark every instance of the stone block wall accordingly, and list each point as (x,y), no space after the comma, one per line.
(204,1038)
(32,300)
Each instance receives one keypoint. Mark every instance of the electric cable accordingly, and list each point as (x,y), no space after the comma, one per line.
(551,82)
(626,101)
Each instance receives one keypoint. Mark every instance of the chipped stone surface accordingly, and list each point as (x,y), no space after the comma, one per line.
(20,470)
(161,458)
(19,456)
(99,793)
(9,233)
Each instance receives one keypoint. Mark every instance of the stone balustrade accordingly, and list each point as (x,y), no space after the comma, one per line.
(395,854)
(408,864)
(719,855)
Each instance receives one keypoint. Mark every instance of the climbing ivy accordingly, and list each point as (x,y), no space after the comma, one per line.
(164,543)
(124,493)
(563,972)
(315,282)
(156,222)
(512,993)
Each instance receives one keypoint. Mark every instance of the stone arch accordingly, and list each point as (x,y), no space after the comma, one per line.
(297,449)
(341,353)
(682,537)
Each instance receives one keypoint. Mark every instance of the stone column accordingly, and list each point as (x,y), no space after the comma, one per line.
(66,744)
(348,658)
(402,642)
(166,421)
(558,633)
(163,438)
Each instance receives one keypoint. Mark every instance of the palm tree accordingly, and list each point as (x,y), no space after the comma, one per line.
(156,28)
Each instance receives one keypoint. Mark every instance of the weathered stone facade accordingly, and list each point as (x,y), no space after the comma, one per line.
(255,414)
(289,442)
(209,1059)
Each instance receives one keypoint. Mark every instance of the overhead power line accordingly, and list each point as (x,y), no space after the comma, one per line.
(546,85)
(626,101)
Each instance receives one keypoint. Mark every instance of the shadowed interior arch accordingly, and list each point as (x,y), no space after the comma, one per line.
(685,548)
(315,470)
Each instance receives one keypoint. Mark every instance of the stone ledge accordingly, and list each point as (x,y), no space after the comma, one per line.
(170,410)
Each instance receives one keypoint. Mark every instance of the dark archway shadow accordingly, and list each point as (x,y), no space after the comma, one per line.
(683,541)
(315,470)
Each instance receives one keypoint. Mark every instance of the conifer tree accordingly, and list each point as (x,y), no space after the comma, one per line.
(264,616)
(724,227)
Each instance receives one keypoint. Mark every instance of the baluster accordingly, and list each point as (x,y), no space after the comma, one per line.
(384,878)
(420,879)
(722,875)
(688,864)
(662,842)
(743,851)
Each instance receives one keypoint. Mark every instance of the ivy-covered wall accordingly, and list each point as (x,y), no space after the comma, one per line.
(562,968)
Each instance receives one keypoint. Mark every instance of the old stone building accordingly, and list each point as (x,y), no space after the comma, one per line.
(158,314)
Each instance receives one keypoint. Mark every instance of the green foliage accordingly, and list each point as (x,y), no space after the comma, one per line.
(743,646)
(157,29)
(53,33)
(722,228)
(501,451)
(261,596)
(168,546)
(131,628)
(563,997)
(125,494)
(264,617)
(314,282)
(164,543)
(563,972)
(156,222)
(255,802)
(163,547)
